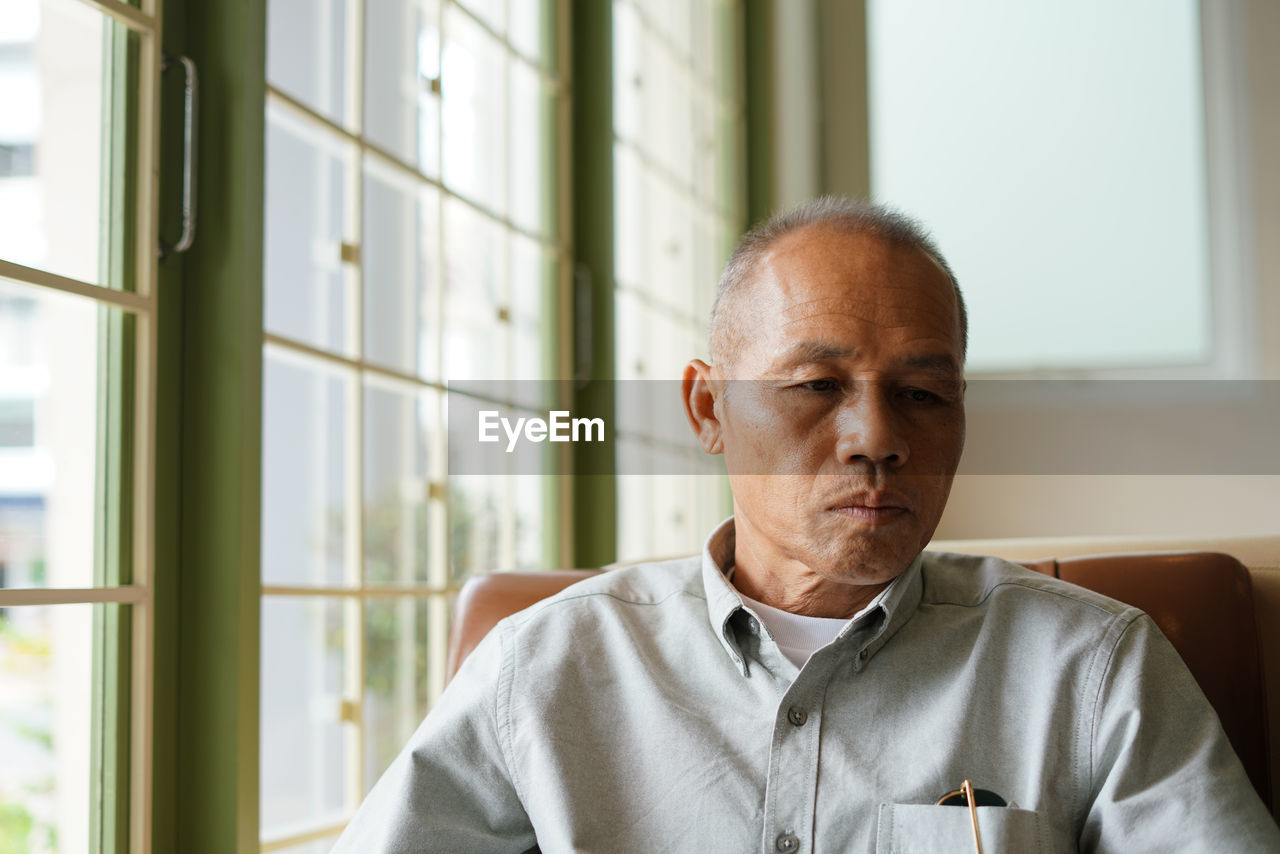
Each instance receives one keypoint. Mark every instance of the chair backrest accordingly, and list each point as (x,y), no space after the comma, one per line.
(1202,601)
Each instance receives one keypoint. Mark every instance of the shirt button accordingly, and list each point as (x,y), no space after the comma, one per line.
(797,715)
(753,626)
(787,842)
(862,656)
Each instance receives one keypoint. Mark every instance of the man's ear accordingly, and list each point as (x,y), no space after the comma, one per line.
(700,405)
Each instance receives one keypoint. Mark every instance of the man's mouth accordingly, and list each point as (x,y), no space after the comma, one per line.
(872,508)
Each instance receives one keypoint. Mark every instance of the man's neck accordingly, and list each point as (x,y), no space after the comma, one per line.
(812,596)
(789,585)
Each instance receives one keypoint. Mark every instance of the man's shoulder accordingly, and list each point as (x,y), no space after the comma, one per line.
(639,586)
(983,581)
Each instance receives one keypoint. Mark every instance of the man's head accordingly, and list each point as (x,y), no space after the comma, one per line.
(727,329)
(837,398)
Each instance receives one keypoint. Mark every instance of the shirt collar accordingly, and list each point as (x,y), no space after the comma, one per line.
(723,602)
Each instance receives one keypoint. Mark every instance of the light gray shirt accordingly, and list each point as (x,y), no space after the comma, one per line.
(647,709)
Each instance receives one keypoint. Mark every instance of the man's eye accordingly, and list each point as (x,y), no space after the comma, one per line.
(919,395)
(821,385)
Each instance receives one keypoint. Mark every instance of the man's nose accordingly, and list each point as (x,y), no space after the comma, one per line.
(868,431)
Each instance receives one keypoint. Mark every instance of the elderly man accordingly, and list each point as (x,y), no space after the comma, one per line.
(815,681)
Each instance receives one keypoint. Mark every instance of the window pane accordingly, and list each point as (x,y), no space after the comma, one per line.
(304,768)
(410,282)
(531,509)
(402,76)
(475,94)
(629,72)
(307,282)
(630,218)
(671,252)
(1069,195)
(398,428)
(395,692)
(46,721)
(51,461)
(306,407)
(636,503)
(308,53)
(531,272)
(53,148)
(633,342)
(671,22)
(531,156)
(401,254)
(477,508)
(708,254)
(492,12)
(679,497)
(17,423)
(476,332)
(530,33)
(666,134)
(678,105)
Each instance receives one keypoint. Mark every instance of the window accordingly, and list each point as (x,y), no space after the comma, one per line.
(17,159)
(679,208)
(412,241)
(78,318)
(17,423)
(1079,132)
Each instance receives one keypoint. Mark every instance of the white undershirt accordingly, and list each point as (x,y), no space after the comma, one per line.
(798,635)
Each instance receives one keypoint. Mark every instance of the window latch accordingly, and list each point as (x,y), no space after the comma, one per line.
(190,105)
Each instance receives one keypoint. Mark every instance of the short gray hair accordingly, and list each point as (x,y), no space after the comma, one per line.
(834,211)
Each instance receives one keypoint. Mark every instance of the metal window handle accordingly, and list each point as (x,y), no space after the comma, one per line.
(190,105)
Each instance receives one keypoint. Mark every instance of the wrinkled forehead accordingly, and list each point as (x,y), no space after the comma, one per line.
(851,262)
(826,273)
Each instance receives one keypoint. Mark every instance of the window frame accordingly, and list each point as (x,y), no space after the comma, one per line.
(208,434)
(129,323)
(358,369)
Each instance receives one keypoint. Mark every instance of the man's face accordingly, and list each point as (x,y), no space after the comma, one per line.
(843,419)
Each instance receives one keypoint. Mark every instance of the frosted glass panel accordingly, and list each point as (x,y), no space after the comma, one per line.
(303,758)
(402,71)
(395,678)
(402,246)
(308,175)
(475,335)
(397,444)
(1059,161)
(474,79)
(308,53)
(304,470)
(678,128)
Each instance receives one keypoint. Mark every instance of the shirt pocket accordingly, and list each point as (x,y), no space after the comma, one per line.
(931,829)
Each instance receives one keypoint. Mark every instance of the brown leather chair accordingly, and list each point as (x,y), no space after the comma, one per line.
(1202,601)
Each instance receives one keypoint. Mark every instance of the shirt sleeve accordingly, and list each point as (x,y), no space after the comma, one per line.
(450,788)
(1164,775)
